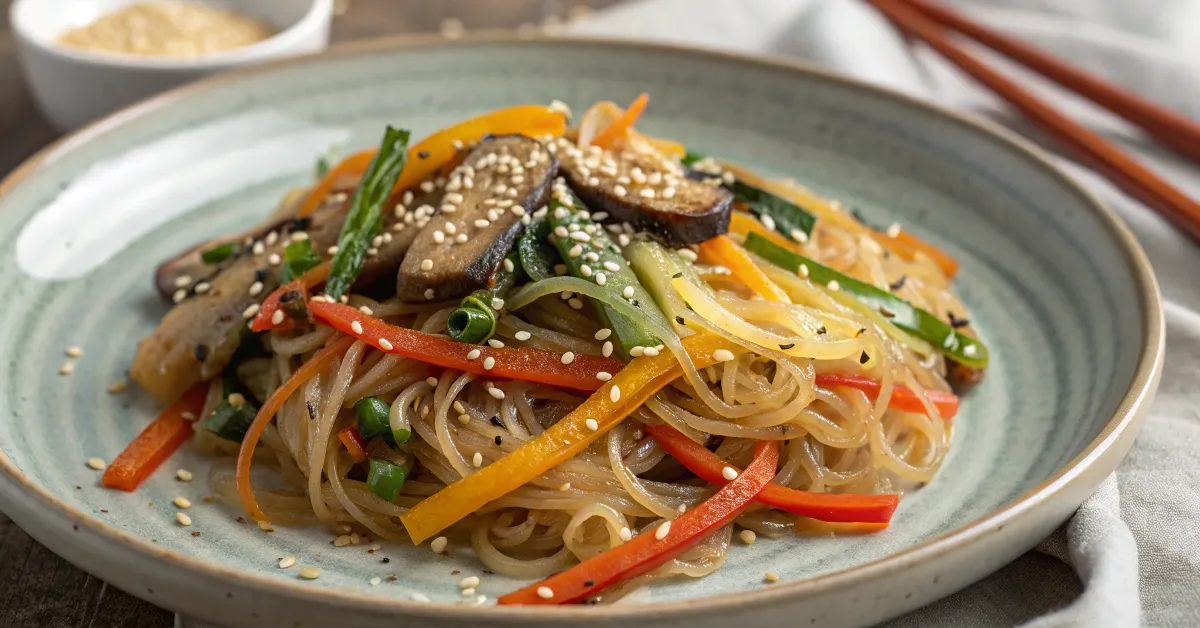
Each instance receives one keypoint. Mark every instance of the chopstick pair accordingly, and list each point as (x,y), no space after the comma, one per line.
(931,24)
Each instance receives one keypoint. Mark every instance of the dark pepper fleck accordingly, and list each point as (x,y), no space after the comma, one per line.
(300,224)
(262,274)
(899,283)
(499,440)
(385,559)
(423,155)
(821,331)
(496,421)
(679,319)
(676,275)
(958,322)
(787,346)
(862,359)
(201,352)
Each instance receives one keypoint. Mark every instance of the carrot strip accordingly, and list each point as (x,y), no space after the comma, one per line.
(532,365)
(902,398)
(621,125)
(156,442)
(822,506)
(352,438)
(907,246)
(649,550)
(311,367)
(608,406)
(721,251)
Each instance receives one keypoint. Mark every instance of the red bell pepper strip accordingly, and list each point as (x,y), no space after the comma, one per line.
(352,438)
(320,360)
(157,442)
(649,550)
(314,277)
(902,399)
(532,365)
(822,506)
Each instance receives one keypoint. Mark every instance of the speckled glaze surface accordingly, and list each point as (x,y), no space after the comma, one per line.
(1057,287)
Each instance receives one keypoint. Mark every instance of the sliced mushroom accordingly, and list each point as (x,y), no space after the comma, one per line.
(509,176)
(649,192)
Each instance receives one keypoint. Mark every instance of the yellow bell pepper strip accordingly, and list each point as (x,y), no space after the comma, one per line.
(608,406)
(431,153)
(310,368)
(649,550)
(721,251)
(621,126)
(744,224)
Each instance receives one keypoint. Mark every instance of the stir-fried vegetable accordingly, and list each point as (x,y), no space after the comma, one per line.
(902,398)
(578,372)
(157,442)
(365,217)
(622,124)
(475,319)
(607,407)
(220,253)
(386,478)
(264,320)
(537,255)
(651,549)
(231,421)
(372,414)
(352,440)
(956,345)
(823,506)
(777,212)
(307,371)
(298,258)
(590,255)
(722,251)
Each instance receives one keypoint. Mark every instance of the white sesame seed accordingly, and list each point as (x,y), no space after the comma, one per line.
(420,597)
(309,573)
(646,193)
(256,288)
(438,545)
(95,463)
(496,392)
(607,349)
(518,211)
(477,460)
(833,285)
(427,264)
(612,267)
(668,192)
(767,221)
(356,327)
(637,351)
(568,357)
(182,502)
(604,376)
(375,581)
(627,292)
(495,344)
(623,239)
(274,259)
(277,317)
(619,190)
(601,279)
(342,541)
(489,362)
(429,293)
(662,530)
(592,425)
(565,486)
(384,344)
(575,304)
(460,238)
(580,236)
(893,230)
(67,368)
(545,592)
(614,394)
(522,335)
(287,561)
(183,281)
(179,296)
(969,351)
(202,287)
(183,475)
(508,265)
(625,534)
(470,582)
(729,473)
(722,355)
(585,270)
(803,271)
(458,405)
(438,237)
(748,536)
(497,304)
(471,355)
(687,254)
(650,351)
(464,418)
(575,251)
(480,223)
(183,519)
(801,237)
(366,310)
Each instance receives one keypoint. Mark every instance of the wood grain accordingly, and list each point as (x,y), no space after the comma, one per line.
(37,588)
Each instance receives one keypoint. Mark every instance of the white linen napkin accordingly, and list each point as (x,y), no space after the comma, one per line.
(1134,546)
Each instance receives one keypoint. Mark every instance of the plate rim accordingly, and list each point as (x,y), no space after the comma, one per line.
(1095,458)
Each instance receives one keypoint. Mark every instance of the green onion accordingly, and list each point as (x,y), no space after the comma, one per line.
(227,421)
(385,479)
(784,216)
(220,253)
(621,283)
(298,258)
(365,217)
(537,256)
(916,321)
(400,431)
(372,413)
(475,319)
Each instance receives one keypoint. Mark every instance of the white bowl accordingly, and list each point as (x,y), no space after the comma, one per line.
(73,87)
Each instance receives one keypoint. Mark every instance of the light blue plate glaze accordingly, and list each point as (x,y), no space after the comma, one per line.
(1056,285)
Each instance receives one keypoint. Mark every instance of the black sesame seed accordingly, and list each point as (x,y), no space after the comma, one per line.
(886,312)
(423,155)
(497,422)
(300,224)
(634,303)
(261,274)
(821,331)
(899,283)
(312,410)
(499,440)
(862,359)
(956,322)
(676,275)
(589,583)
(787,346)
(289,296)
(201,352)
(385,559)
(861,331)
(679,319)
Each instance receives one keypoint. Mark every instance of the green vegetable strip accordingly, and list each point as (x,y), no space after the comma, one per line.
(365,218)
(920,323)
(475,319)
(298,258)
(227,421)
(785,216)
(385,479)
(219,253)
(372,413)
(627,333)
(537,256)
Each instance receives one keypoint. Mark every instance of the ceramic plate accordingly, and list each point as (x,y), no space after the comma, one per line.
(1056,285)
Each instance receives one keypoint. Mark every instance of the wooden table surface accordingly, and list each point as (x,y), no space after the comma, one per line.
(37,588)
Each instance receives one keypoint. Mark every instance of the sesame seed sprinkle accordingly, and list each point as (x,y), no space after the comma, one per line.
(497,304)
(729,473)
(614,394)
(495,344)
(568,357)
(607,349)
(287,561)
(432,381)
(183,281)
(893,230)
(601,279)
(625,534)
(472,355)
(489,362)
(662,530)
(496,392)
(309,573)
(66,369)
(592,425)
(202,287)
(375,581)
(427,264)
(438,545)
(96,463)
(384,344)
(522,335)
(182,502)
(545,592)
(604,376)
(183,519)
(748,536)
(183,475)
(477,460)
(429,293)
(722,355)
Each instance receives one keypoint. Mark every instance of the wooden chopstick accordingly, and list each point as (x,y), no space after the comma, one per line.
(1172,129)
(1095,151)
